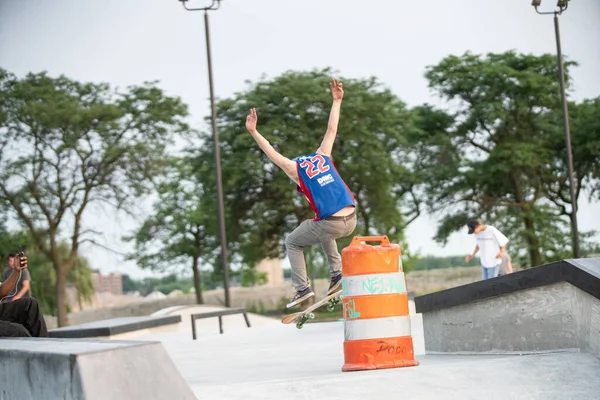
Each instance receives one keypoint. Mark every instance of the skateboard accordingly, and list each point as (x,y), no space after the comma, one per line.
(301,317)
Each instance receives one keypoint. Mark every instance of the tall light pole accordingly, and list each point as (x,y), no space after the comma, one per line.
(215,6)
(562,6)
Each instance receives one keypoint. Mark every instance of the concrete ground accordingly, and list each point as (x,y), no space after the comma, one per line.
(276,361)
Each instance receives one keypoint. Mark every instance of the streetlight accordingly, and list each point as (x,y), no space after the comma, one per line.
(215,6)
(562,6)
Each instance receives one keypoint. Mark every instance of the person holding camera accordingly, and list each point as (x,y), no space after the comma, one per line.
(23,284)
(21,317)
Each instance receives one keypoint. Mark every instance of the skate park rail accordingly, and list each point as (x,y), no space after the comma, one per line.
(218,314)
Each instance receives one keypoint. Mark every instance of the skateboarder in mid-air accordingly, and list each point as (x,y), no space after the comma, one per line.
(327,194)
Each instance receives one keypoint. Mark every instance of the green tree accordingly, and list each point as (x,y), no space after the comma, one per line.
(129,284)
(79,276)
(251,277)
(66,145)
(499,152)
(370,152)
(177,232)
(173,282)
(165,284)
(433,262)
(585,140)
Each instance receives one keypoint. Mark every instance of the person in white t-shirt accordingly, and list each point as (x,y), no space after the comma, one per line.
(491,245)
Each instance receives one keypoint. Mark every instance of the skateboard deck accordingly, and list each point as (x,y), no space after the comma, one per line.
(302,316)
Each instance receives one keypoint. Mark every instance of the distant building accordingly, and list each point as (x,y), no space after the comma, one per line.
(272,267)
(111,283)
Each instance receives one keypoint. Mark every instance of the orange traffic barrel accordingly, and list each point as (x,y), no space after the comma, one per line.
(377,331)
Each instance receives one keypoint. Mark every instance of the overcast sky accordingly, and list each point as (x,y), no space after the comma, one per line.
(126,42)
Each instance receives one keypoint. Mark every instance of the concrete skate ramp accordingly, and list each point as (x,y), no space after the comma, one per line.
(551,307)
(281,362)
(65,369)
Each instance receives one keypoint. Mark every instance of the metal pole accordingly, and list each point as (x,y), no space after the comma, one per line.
(565,110)
(218,168)
(193,327)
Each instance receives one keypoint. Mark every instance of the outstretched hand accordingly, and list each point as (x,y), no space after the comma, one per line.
(336,89)
(251,120)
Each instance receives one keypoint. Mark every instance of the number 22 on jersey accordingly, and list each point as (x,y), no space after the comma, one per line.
(315,166)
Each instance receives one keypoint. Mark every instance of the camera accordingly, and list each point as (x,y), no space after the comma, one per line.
(19,258)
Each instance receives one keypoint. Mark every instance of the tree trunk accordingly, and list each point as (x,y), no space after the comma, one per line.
(574,241)
(366,220)
(61,295)
(197,283)
(533,243)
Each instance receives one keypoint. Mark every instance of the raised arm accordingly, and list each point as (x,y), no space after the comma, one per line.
(288,166)
(334,117)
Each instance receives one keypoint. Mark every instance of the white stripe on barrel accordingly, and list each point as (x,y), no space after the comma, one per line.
(363,285)
(376,328)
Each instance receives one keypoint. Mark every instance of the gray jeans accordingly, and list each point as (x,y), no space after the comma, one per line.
(311,232)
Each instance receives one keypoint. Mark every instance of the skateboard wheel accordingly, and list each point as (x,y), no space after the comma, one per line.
(330,307)
(299,325)
(311,316)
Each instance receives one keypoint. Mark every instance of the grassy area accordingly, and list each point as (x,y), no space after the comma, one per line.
(417,282)
(423,282)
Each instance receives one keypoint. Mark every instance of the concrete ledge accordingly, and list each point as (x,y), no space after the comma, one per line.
(582,273)
(553,307)
(87,369)
(114,326)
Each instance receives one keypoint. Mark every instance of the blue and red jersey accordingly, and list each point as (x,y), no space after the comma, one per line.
(322,185)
